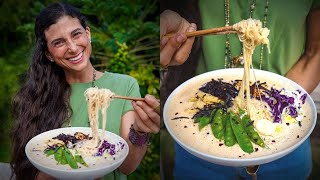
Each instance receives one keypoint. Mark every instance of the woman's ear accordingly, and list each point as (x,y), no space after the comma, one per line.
(88,33)
(49,57)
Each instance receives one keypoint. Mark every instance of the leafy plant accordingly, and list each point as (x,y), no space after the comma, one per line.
(11,67)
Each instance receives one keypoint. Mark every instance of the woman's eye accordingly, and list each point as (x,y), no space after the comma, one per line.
(58,44)
(77,34)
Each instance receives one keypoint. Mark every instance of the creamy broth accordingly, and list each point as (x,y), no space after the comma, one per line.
(93,162)
(184,128)
(36,146)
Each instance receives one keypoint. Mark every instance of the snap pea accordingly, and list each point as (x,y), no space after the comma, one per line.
(203,121)
(253,135)
(63,159)
(196,120)
(71,161)
(240,134)
(218,124)
(229,137)
(78,158)
(59,156)
(49,152)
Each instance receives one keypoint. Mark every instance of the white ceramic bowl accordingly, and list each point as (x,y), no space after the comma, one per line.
(49,165)
(235,73)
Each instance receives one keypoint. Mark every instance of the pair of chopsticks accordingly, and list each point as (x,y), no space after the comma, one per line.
(213,31)
(156,109)
(128,98)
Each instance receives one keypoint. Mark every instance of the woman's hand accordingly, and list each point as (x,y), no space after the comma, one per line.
(41,176)
(147,120)
(175,50)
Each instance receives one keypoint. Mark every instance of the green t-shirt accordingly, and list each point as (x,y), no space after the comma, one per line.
(286,21)
(120,84)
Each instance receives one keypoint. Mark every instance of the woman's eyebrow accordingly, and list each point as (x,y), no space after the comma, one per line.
(59,39)
(78,29)
(55,40)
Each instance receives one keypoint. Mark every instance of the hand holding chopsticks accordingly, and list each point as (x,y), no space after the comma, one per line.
(177,38)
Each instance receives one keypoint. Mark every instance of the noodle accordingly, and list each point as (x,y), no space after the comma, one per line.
(251,34)
(97,99)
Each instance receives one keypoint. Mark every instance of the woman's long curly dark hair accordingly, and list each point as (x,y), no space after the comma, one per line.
(42,103)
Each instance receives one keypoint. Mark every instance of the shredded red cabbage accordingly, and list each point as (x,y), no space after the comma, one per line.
(279,102)
(106,146)
(303,98)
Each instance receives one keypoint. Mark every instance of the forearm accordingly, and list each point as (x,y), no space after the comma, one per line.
(135,124)
(306,72)
(135,156)
(136,152)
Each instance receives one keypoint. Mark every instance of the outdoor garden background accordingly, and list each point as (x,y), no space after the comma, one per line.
(125,39)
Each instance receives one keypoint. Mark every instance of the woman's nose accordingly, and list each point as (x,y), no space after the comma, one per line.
(72,46)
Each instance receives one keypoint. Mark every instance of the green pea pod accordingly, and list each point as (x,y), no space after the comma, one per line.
(229,137)
(80,160)
(203,121)
(240,134)
(63,159)
(49,152)
(218,124)
(58,154)
(253,135)
(196,120)
(71,161)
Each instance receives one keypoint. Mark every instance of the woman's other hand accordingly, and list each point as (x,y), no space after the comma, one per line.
(175,50)
(43,176)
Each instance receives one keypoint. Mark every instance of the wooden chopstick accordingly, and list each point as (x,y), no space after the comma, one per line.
(156,109)
(213,31)
(128,98)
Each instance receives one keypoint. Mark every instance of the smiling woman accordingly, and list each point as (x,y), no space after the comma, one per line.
(53,93)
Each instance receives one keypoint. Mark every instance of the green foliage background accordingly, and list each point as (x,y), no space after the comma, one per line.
(125,39)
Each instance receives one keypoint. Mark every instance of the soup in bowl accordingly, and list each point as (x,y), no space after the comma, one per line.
(205,117)
(68,153)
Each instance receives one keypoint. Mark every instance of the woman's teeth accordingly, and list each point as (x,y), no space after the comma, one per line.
(76,58)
